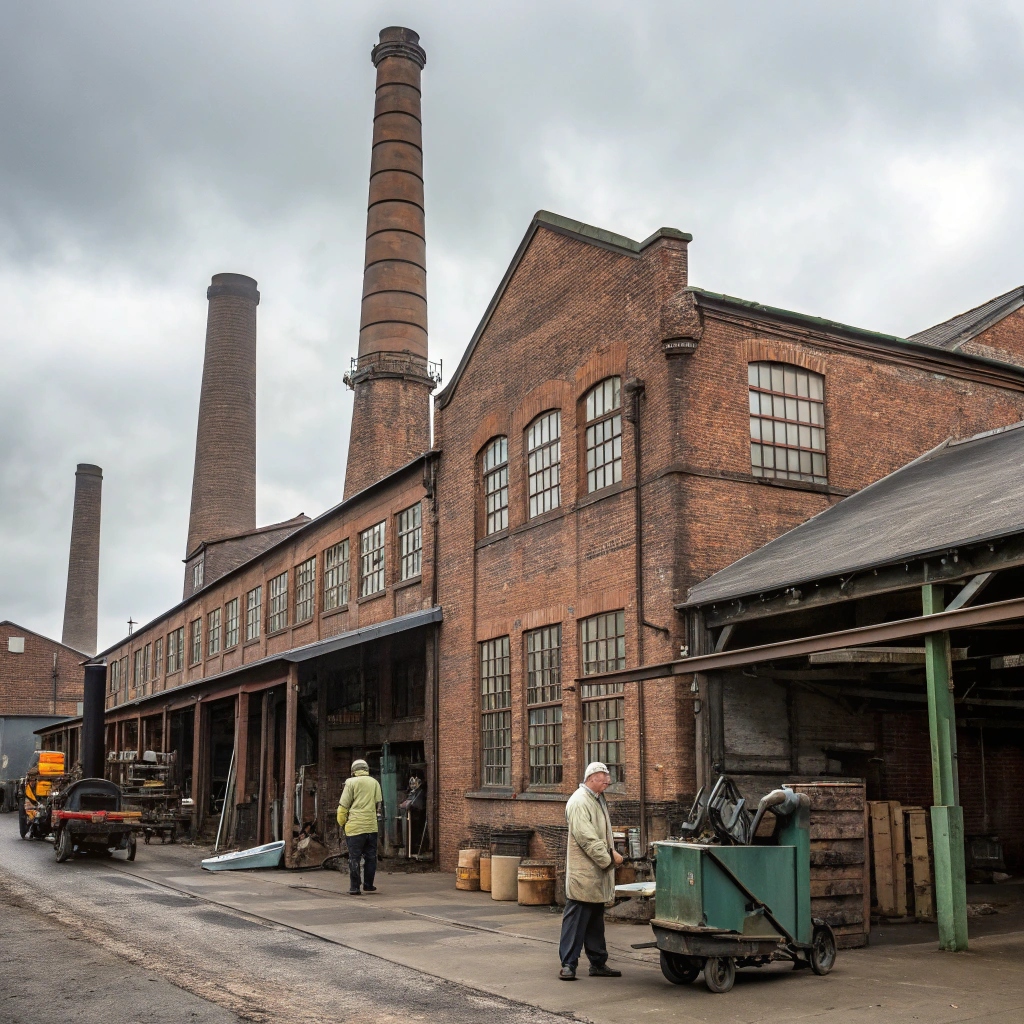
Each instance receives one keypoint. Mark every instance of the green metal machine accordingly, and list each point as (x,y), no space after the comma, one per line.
(723,901)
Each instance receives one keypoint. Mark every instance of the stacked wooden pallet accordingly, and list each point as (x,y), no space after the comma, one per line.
(840,880)
(894,828)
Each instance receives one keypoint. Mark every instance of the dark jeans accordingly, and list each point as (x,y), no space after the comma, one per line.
(361,848)
(582,928)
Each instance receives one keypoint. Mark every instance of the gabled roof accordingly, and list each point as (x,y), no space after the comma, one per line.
(295,522)
(960,493)
(49,640)
(952,333)
(563,226)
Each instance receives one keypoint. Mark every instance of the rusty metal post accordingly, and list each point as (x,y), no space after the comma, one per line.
(291,706)
(241,746)
(197,761)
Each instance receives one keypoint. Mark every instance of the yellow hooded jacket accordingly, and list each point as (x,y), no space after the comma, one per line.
(357,808)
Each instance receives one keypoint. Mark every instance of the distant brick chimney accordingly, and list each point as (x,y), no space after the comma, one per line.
(224,480)
(391,378)
(81,602)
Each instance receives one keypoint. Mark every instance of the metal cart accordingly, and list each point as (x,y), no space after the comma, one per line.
(722,905)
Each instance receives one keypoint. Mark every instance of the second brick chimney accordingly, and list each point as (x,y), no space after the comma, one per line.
(391,377)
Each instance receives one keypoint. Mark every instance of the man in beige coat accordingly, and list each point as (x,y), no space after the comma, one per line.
(589,876)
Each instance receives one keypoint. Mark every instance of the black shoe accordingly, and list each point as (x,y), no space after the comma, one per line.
(567,973)
(354,892)
(604,972)
(369,888)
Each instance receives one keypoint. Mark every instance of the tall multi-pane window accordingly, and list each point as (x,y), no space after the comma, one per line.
(196,642)
(253,613)
(175,649)
(543,697)
(371,560)
(114,672)
(787,422)
(604,434)
(603,646)
(231,623)
(495,469)
(213,633)
(305,590)
(158,658)
(496,712)
(137,678)
(336,574)
(197,575)
(277,609)
(147,662)
(410,542)
(124,671)
(544,462)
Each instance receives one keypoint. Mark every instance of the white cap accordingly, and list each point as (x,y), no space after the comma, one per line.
(360,765)
(594,767)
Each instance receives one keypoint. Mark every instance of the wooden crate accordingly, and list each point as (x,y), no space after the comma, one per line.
(840,883)
(890,824)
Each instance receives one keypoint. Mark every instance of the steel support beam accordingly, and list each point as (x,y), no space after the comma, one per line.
(947,814)
(291,706)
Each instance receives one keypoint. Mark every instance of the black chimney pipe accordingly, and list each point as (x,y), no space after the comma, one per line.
(93,745)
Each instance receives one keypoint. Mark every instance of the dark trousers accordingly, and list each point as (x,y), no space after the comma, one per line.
(582,928)
(362,848)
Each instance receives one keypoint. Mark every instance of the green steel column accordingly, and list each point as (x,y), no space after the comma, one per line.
(947,815)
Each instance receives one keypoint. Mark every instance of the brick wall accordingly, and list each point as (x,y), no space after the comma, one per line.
(571,314)
(26,680)
(1003,340)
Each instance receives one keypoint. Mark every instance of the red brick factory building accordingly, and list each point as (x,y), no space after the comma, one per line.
(611,437)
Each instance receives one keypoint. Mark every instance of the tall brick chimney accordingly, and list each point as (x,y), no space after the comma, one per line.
(224,480)
(80,603)
(391,378)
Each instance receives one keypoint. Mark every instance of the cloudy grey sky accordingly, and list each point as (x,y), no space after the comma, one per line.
(856,161)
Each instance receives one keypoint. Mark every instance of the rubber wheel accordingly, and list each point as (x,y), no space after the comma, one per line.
(22,820)
(65,846)
(719,973)
(132,846)
(823,949)
(679,969)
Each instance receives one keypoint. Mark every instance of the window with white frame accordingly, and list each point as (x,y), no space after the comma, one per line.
(277,607)
(544,462)
(603,649)
(604,434)
(213,633)
(137,679)
(114,674)
(410,542)
(544,707)
(305,590)
(787,422)
(371,560)
(495,471)
(496,712)
(231,623)
(197,575)
(253,613)
(336,576)
(158,658)
(196,639)
(147,664)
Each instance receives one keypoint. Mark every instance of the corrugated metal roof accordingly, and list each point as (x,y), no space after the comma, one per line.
(962,492)
(964,326)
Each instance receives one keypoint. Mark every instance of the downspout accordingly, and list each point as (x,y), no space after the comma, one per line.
(635,391)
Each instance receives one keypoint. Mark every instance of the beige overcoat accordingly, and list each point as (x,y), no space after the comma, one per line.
(589,869)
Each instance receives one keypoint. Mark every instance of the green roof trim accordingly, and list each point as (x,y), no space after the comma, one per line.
(912,347)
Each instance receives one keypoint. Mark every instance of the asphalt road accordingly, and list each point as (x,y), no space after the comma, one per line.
(85,942)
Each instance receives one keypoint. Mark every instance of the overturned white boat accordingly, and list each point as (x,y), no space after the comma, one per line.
(267,856)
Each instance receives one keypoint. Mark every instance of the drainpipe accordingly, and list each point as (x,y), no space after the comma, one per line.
(634,392)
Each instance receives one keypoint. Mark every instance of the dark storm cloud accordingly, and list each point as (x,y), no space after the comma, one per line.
(855,161)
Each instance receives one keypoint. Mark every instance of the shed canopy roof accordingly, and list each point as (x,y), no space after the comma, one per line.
(961,492)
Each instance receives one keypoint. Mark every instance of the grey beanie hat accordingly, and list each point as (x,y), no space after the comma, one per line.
(359,765)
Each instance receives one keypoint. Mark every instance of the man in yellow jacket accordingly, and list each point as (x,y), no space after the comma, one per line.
(357,815)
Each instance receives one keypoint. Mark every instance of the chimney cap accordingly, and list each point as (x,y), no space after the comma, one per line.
(396,41)
(87,469)
(233,284)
